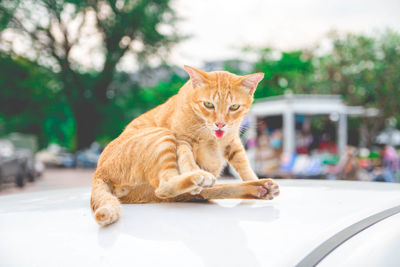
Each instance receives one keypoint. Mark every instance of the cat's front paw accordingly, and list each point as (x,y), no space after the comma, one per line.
(262,189)
(201,179)
(268,189)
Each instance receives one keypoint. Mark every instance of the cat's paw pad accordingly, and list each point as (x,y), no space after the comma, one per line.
(106,215)
(272,189)
(261,191)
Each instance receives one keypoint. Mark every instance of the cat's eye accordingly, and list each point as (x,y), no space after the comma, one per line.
(234,107)
(208,104)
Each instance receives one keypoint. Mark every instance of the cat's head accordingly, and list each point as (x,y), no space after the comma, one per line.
(221,98)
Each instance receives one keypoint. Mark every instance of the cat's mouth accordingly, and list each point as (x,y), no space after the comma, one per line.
(219,133)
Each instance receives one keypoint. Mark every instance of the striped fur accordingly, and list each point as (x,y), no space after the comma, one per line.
(172,152)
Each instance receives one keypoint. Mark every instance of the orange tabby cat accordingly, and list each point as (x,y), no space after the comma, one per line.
(175,151)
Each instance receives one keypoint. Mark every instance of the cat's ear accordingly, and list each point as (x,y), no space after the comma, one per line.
(250,82)
(197,77)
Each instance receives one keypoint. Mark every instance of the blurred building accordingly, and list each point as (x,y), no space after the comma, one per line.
(283,129)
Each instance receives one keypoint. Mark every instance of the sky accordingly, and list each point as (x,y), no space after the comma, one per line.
(219,28)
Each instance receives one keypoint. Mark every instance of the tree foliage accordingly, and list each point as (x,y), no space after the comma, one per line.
(30,101)
(57,30)
(366,72)
(61,79)
(283,71)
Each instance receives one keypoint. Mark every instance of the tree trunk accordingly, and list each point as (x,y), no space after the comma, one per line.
(87,120)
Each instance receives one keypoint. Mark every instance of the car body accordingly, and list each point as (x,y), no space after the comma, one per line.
(13,164)
(312,222)
(56,156)
(25,146)
(87,158)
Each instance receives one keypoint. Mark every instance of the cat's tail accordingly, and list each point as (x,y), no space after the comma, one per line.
(105,205)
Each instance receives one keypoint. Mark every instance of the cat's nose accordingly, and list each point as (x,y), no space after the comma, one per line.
(220,124)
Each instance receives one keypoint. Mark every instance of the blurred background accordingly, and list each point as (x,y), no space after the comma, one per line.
(73,73)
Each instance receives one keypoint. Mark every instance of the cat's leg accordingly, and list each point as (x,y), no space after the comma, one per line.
(172,184)
(189,182)
(126,163)
(236,156)
(104,203)
(162,168)
(184,152)
(259,189)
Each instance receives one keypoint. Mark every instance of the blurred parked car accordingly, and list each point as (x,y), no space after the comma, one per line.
(88,158)
(25,146)
(13,165)
(56,156)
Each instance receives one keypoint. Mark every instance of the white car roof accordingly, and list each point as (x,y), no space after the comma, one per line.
(375,246)
(56,228)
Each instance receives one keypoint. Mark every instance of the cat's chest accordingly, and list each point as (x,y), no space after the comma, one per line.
(209,156)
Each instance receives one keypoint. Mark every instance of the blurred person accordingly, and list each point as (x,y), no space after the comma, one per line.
(267,158)
(347,167)
(389,164)
(263,128)
(304,141)
(276,140)
(327,144)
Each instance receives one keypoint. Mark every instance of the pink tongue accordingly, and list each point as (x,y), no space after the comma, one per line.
(219,133)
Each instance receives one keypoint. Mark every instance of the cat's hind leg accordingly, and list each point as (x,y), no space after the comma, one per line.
(258,189)
(105,205)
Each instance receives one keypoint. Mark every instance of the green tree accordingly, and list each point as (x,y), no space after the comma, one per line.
(284,71)
(365,71)
(133,99)
(30,101)
(55,30)
(153,96)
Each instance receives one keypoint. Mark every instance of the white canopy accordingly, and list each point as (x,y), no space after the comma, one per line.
(289,105)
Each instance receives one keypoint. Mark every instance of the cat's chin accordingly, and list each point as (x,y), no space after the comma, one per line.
(219,133)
